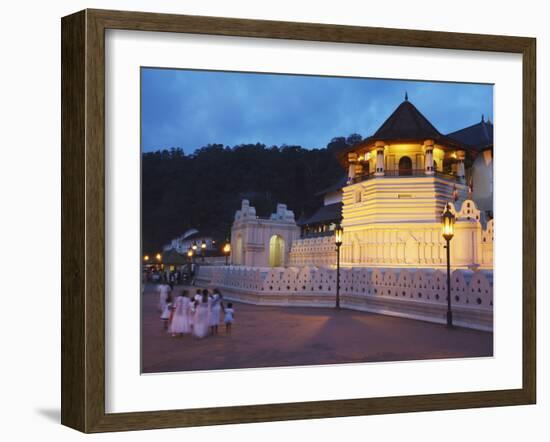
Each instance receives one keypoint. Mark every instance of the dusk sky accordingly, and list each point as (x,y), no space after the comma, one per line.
(190,109)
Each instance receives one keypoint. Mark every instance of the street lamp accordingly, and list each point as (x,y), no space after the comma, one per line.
(190,255)
(203,249)
(227,251)
(146,258)
(448,225)
(338,233)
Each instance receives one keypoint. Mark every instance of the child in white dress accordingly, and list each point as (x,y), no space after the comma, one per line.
(167,310)
(180,317)
(228,318)
(215,311)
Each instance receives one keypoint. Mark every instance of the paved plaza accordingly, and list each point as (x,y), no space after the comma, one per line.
(289,336)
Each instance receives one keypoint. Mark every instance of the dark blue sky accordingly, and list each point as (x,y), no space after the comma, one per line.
(190,109)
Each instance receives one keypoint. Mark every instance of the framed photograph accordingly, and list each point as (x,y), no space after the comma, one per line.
(267,220)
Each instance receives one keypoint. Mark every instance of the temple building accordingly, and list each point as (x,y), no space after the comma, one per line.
(390,202)
(393,258)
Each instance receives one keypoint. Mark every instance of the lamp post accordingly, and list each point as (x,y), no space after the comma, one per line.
(338,233)
(203,249)
(227,251)
(448,225)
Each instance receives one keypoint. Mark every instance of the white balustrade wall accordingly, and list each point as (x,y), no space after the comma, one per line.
(412,293)
(385,248)
(313,252)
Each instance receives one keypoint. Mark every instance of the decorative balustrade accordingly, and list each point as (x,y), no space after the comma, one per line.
(416,293)
(403,173)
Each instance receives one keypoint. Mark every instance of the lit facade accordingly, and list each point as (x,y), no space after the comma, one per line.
(390,204)
(397,185)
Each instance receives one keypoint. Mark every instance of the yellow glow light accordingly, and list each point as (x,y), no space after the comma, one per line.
(158,256)
(338,233)
(448,224)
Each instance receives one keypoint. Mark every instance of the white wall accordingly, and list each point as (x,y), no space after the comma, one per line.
(30,216)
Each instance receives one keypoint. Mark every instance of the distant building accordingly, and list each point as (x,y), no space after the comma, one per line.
(190,238)
(325,218)
(479,137)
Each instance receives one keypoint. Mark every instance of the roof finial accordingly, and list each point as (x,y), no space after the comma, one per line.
(406,96)
(482,118)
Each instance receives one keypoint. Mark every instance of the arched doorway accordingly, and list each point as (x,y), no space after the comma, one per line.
(276,251)
(405,166)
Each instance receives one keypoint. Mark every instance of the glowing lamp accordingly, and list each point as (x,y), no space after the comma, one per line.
(227,248)
(338,233)
(448,224)
(203,245)
(158,256)
(194,246)
(190,253)
(146,258)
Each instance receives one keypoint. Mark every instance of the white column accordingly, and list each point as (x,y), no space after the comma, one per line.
(379,158)
(460,172)
(428,157)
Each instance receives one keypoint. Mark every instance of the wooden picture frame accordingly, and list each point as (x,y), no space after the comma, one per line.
(83,220)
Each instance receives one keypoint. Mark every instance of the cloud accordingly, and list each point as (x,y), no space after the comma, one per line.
(189,109)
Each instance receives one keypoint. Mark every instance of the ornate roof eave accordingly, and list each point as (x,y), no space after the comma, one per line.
(369,143)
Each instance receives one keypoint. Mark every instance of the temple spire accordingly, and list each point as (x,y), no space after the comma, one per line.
(406,96)
(482,118)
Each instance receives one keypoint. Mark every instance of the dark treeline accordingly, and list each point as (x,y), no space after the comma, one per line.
(204,189)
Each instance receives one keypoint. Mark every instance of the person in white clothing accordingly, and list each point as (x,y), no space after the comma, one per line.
(215,311)
(163,290)
(166,314)
(200,321)
(180,316)
(228,317)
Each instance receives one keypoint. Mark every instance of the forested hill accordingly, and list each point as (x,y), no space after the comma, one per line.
(204,189)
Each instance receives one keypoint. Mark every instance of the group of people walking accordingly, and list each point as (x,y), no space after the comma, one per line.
(199,315)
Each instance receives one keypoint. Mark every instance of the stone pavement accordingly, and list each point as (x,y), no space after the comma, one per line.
(289,336)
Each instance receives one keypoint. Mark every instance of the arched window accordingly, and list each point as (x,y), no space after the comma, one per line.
(435,165)
(405,166)
(358,196)
(276,251)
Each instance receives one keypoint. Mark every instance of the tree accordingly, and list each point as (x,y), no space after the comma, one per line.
(204,189)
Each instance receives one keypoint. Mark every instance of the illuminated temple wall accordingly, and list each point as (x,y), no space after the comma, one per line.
(406,292)
(396,222)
